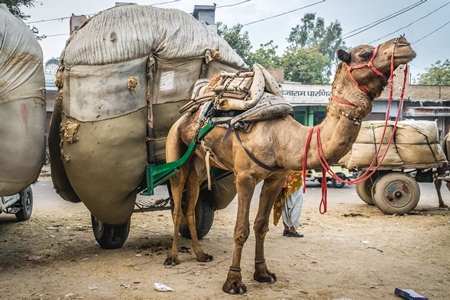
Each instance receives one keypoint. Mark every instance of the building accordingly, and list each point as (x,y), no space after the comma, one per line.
(206,14)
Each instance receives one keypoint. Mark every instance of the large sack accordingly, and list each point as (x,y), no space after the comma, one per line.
(124,75)
(22,105)
(418,143)
(415,145)
(366,145)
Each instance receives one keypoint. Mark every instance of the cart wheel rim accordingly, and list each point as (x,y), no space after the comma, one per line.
(98,225)
(398,194)
(27,203)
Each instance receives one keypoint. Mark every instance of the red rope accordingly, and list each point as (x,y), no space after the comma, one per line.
(341,101)
(369,65)
(308,141)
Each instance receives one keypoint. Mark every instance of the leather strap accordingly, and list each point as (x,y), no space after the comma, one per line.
(257,161)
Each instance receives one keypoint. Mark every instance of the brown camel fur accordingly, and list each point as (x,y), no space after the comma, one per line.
(278,143)
(441,172)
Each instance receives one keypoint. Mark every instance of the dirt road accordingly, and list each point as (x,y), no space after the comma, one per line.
(352,252)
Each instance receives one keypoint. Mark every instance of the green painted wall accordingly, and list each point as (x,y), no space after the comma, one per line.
(309,115)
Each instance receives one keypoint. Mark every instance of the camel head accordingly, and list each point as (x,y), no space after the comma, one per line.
(369,68)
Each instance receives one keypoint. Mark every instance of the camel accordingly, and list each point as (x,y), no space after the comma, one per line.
(360,77)
(441,172)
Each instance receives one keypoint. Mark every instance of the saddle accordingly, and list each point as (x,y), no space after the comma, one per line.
(238,99)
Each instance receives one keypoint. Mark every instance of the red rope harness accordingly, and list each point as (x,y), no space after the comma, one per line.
(368,173)
(360,66)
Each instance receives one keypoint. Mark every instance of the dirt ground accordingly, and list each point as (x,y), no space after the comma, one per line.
(352,252)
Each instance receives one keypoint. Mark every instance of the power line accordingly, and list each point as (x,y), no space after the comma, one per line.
(53,35)
(430,33)
(410,63)
(382,20)
(411,22)
(285,13)
(63,18)
(229,5)
(391,15)
(48,20)
(164,2)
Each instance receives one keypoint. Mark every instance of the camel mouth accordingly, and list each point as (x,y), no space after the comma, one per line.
(404,58)
(410,56)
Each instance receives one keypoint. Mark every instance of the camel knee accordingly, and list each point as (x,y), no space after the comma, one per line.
(241,236)
(261,227)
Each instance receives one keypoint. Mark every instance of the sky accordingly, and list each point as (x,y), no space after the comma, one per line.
(425,23)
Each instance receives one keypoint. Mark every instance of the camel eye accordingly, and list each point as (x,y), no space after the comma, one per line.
(366,55)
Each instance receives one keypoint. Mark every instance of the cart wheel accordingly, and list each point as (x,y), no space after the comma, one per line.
(319,180)
(396,193)
(26,204)
(336,183)
(364,189)
(110,236)
(204,216)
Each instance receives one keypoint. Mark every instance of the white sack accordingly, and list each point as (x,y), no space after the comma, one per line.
(127,32)
(22,105)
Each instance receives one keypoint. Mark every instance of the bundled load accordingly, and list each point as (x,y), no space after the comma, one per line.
(22,105)
(123,78)
(415,145)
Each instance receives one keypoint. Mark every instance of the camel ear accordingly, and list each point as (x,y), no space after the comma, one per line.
(343,55)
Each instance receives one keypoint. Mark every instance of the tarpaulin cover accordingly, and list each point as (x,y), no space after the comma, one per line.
(22,105)
(124,76)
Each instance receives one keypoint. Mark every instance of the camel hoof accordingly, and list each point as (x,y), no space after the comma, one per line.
(171,261)
(443,205)
(235,288)
(270,278)
(205,258)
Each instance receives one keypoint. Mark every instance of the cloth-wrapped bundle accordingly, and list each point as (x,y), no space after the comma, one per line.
(22,105)
(415,145)
(124,75)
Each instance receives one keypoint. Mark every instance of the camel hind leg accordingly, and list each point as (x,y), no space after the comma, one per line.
(186,178)
(193,183)
(174,151)
(437,184)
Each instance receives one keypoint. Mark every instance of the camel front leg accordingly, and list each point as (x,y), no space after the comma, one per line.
(245,186)
(271,188)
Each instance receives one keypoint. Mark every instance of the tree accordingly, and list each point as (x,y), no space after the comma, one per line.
(14,7)
(312,32)
(238,40)
(305,65)
(266,56)
(437,74)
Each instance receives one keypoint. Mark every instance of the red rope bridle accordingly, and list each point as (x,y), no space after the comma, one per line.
(360,66)
(368,173)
